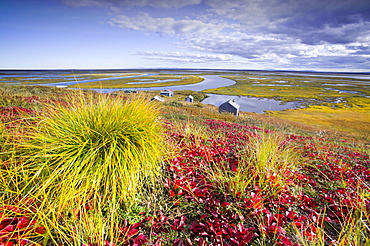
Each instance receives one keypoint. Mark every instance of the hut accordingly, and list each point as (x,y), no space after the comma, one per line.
(189,99)
(168,93)
(230,107)
(158,98)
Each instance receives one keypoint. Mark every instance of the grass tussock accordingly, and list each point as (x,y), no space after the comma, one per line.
(116,142)
(272,158)
(265,162)
(95,154)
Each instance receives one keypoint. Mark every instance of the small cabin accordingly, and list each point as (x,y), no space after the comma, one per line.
(189,99)
(230,107)
(168,93)
(158,98)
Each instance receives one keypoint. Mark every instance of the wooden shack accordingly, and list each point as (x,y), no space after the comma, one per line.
(230,107)
(168,93)
(157,98)
(189,99)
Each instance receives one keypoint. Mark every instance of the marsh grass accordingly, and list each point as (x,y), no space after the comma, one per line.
(83,226)
(265,162)
(352,230)
(272,158)
(94,155)
(234,182)
(193,130)
(350,118)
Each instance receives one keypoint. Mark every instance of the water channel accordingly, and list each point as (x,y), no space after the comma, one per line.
(209,82)
(247,104)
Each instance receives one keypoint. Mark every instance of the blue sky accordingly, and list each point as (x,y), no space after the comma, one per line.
(321,35)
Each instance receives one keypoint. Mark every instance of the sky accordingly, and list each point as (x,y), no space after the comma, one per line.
(318,35)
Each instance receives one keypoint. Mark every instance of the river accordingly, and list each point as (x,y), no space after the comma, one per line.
(247,104)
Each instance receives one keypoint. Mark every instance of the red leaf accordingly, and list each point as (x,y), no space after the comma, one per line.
(10,228)
(135,225)
(23,242)
(285,240)
(172,193)
(107,243)
(132,232)
(224,204)
(7,244)
(200,241)
(23,222)
(40,230)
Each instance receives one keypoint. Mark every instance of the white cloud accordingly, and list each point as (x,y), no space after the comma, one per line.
(186,57)
(166,26)
(198,36)
(256,13)
(284,32)
(313,22)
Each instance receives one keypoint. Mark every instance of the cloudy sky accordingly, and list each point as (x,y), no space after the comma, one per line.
(321,35)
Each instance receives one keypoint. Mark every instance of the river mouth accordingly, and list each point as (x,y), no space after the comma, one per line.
(251,104)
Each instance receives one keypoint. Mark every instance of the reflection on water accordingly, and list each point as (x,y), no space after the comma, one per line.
(250,104)
(338,84)
(344,91)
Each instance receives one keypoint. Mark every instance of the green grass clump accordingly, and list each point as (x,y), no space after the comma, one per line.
(272,159)
(265,162)
(95,155)
(111,143)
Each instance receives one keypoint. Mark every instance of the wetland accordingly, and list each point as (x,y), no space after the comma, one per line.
(334,101)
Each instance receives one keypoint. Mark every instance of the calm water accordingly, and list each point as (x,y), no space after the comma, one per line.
(247,104)
(250,104)
(209,82)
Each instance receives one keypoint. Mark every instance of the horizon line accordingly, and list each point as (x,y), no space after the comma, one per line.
(225,69)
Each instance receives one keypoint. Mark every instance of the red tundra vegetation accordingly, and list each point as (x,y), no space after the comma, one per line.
(222,183)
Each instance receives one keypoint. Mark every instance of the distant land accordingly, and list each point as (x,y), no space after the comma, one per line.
(181,69)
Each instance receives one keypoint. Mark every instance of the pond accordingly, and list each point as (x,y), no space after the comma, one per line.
(250,104)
